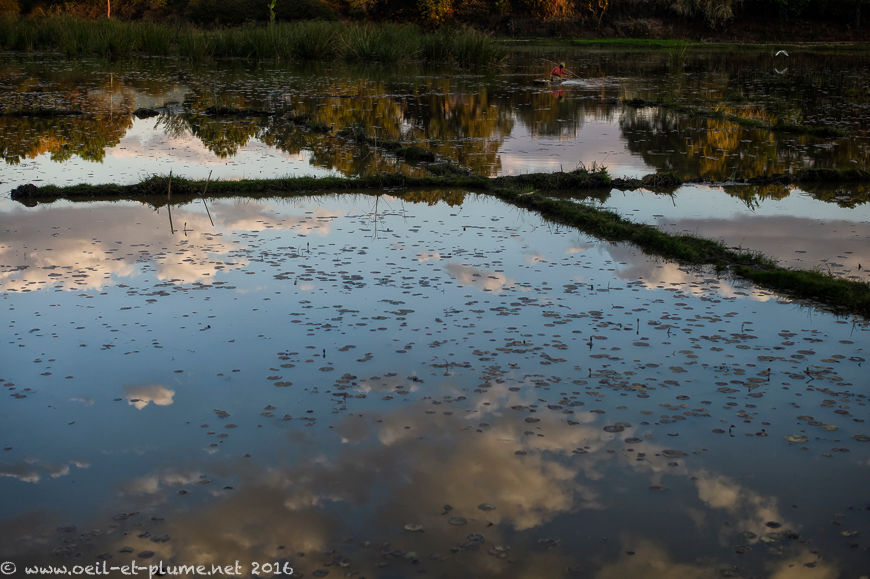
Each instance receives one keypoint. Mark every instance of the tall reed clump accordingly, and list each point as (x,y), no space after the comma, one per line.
(465,46)
(72,34)
(195,44)
(472,48)
(435,46)
(16,34)
(380,43)
(155,39)
(270,42)
(229,42)
(310,39)
(13,36)
(111,39)
(252,41)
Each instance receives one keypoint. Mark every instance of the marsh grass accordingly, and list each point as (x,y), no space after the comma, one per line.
(464,46)
(634,44)
(155,39)
(196,45)
(307,41)
(435,47)
(104,38)
(299,41)
(470,48)
(380,43)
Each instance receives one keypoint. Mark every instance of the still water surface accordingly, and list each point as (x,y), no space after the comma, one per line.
(441,383)
(268,120)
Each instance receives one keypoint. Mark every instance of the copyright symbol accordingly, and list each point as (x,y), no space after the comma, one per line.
(7,568)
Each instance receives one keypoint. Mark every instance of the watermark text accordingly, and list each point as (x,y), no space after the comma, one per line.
(151,570)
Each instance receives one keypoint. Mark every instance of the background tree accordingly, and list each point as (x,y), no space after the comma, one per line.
(715,13)
(9,8)
(595,9)
(305,10)
(435,12)
(548,9)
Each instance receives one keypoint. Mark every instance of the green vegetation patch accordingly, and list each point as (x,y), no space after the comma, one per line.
(301,41)
(631,44)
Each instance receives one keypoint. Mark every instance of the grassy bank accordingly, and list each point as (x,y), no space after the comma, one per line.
(526,191)
(633,44)
(297,41)
(838,295)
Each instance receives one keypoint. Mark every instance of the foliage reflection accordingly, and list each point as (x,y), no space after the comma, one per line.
(353,125)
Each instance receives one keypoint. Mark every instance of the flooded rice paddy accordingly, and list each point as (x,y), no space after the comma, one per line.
(384,385)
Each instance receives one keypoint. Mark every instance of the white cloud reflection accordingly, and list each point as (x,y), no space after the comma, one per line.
(492,281)
(141,396)
(33,471)
(98,246)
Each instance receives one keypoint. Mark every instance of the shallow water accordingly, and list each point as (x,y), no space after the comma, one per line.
(439,383)
(362,384)
(292,121)
(797,230)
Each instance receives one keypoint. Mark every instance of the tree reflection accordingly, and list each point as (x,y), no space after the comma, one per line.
(62,119)
(60,137)
(723,149)
(754,195)
(718,123)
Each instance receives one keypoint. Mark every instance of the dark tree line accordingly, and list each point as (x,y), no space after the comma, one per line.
(503,15)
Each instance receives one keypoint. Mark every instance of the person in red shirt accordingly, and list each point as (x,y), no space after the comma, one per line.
(558,71)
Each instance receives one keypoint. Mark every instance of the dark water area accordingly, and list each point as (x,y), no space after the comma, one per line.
(434,383)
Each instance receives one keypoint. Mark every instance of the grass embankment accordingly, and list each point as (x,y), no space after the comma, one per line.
(631,44)
(297,41)
(836,294)
(526,191)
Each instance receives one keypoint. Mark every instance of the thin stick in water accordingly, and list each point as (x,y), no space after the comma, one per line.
(169,203)
(203,199)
